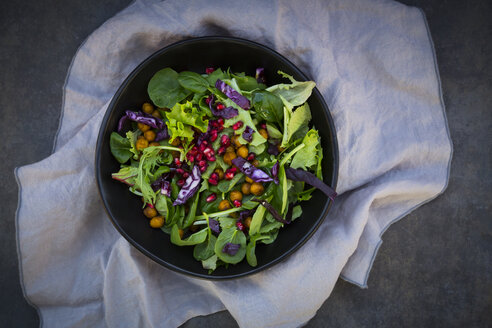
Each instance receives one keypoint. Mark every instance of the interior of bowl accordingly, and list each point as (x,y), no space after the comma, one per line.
(125,209)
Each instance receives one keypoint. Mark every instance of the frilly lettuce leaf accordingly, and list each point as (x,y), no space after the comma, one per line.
(305,158)
(182,118)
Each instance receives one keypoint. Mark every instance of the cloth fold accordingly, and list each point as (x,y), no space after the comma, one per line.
(374,63)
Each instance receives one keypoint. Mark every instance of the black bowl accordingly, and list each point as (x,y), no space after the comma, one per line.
(125,209)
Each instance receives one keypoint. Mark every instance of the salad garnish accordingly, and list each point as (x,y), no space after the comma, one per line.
(221,161)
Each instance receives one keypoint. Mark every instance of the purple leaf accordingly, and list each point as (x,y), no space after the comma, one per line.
(244,214)
(260,75)
(146,119)
(162,134)
(311,179)
(191,186)
(214,225)
(227,113)
(232,94)
(272,210)
(163,184)
(166,188)
(231,248)
(121,122)
(272,149)
(250,171)
(275,169)
(248,134)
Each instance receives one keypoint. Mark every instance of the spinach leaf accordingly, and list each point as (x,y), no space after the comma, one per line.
(161,206)
(233,236)
(268,106)
(273,132)
(120,147)
(271,238)
(190,218)
(227,185)
(194,239)
(257,220)
(247,83)
(164,89)
(296,212)
(218,74)
(250,249)
(226,222)
(192,81)
(270,227)
(210,263)
(206,249)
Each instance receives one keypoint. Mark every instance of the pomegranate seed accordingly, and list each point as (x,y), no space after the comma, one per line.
(208,100)
(180,171)
(203,168)
(211,198)
(209,70)
(237,125)
(150,205)
(181,182)
(225,140)
(214,176)
(237,203)
(263,125)
(213,182)
(229,176)
(191,159)
(221,151)
(207,151)
(220,121)
(214,124)
(240,226)
(202,163)
(199,157)
(211,158)
(177,162)
(220,107)
(221,128)
(213,135)
(202,147)
(251,157)
(232,169)
(193,151)
(186,175)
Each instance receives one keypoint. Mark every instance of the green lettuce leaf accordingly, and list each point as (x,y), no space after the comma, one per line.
(306,157)
(298,120)
(182,118)
(120,147)
(294,94)
(164,89)
(195,239)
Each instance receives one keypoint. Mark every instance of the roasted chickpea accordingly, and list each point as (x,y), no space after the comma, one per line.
(246,188)
(235,141)
(175,142)
(141,144)
(257,189)
(242,151)
(264,133)
(147,108)
(235,195)
(230,149)
(229,156)
(249,180)
(143,127)
(255,163)
(157,222)
(156,114)
(149,212)
(149,135)
(154,144)
(247,221)
(181,233)
(220,173)
(224,205)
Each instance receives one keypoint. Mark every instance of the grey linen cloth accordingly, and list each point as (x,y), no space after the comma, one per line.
(374,63)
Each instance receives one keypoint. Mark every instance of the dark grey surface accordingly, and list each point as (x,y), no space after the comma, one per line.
(434,268)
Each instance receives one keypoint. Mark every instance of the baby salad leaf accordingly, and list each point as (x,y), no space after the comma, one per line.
(190,217)
(206,249)
(218,74)
(298,120)
(182,118)
(250,249)
(304,158)
(210,263)
(273,132)
(192,81)
(294,94)
(257,220)
(195,239)
(268,106)
(132,137)
(126,175)
(120,147)
(164,89)
(231,236)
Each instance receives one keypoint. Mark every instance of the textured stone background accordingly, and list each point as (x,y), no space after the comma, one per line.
(434,268)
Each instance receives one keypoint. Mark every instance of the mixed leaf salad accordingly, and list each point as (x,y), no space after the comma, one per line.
(220,160)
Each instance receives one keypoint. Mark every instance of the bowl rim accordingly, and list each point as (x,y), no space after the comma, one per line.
(115,99)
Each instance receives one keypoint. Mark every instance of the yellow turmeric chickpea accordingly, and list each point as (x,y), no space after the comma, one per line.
(235,141)
(154,144)
(230,149)
(149,212)
(249,180)
(147,108)
(220,173)
(263,133)
(175,142)
(257,189)
(149,135)
(255,163)
(143,127)
(224,205)
(235,195)
(246,188)
(157,222)
(141,144)
(156,114)
(181,233)
(242,151)
(229,156)
(247,221)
